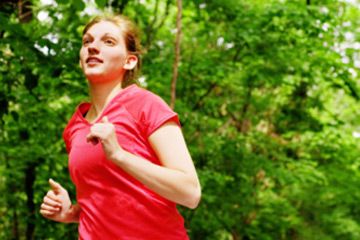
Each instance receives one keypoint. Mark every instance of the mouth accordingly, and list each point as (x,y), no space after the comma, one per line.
(93,60)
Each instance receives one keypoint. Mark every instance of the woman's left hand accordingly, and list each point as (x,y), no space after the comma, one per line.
(105,133)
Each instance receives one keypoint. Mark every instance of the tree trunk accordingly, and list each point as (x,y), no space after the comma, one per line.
(29,190)
(15,226)
(177,54)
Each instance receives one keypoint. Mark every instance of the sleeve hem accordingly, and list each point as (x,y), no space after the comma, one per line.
(169,118)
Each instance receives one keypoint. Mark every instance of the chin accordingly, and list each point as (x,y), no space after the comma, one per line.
(94,77)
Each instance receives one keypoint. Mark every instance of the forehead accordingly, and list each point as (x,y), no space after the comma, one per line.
(104,27)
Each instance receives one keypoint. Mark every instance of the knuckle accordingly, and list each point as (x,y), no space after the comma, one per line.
(52,194)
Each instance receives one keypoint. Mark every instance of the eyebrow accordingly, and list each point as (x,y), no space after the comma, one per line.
(105,35)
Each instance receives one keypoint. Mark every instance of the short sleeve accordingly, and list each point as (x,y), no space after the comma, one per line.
(156,113)
(67,143)
(67,133)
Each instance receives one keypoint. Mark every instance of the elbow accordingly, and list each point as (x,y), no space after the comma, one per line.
(194,198)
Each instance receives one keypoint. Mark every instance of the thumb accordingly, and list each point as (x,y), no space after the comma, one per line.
(56,187)
(105,120)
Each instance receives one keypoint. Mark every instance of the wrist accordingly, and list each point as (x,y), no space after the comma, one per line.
(119,157)
(72,214)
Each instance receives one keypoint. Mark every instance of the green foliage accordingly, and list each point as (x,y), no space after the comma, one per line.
(267,95)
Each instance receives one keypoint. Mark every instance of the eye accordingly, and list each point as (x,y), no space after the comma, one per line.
(86,41)
(109,42)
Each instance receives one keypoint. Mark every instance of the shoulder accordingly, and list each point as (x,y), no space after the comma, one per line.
(149,109)
(140,101)
(144,95)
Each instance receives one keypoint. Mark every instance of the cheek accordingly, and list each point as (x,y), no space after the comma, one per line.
(82,54)
(116,54)
(117,60)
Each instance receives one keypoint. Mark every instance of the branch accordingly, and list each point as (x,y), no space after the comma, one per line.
(177,54)
(123,5)
(209,90)
(152,28)
(25,11)
(167,10)
(243,121)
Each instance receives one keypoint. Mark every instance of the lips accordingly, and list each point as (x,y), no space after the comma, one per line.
(93,60)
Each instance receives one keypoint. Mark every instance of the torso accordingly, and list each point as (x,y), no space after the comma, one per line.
(114,204)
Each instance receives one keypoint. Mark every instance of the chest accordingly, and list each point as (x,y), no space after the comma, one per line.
(88,161)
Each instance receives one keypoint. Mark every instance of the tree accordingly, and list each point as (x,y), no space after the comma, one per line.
(267,94)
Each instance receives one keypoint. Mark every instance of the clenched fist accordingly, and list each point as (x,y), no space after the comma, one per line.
(104,132)
(56,204)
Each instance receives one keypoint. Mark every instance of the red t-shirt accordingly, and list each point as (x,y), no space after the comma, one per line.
(114,205)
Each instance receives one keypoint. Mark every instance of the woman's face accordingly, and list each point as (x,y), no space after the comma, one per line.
(103,53)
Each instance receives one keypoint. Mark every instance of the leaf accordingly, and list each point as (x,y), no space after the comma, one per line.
(100,3)
(62,1)
(79,5)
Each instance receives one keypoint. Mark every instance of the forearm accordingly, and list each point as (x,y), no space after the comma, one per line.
(175,185)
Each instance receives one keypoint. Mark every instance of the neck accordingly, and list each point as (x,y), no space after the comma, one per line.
(102,93)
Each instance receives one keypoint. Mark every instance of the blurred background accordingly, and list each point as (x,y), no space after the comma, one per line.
(267,92)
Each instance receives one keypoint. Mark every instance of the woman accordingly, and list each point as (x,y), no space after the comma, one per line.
(127,155)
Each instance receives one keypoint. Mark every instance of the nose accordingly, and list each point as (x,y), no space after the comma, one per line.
(93,48)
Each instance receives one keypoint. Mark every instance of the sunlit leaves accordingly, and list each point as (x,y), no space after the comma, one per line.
(267,96)
(100,3)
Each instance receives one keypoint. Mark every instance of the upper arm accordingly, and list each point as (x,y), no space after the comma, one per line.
(169,145)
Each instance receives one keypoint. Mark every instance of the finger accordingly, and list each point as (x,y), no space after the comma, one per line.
(91,138)
(50,208)
(56,187)
(105,119)
(88,137)
(46,213)
(51,202)
(51,194)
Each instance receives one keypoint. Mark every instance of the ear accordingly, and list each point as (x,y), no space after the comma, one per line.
(130,62)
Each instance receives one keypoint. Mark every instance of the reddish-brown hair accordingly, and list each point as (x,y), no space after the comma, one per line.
(132,42)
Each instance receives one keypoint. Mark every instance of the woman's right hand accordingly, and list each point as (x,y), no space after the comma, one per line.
(56,204)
